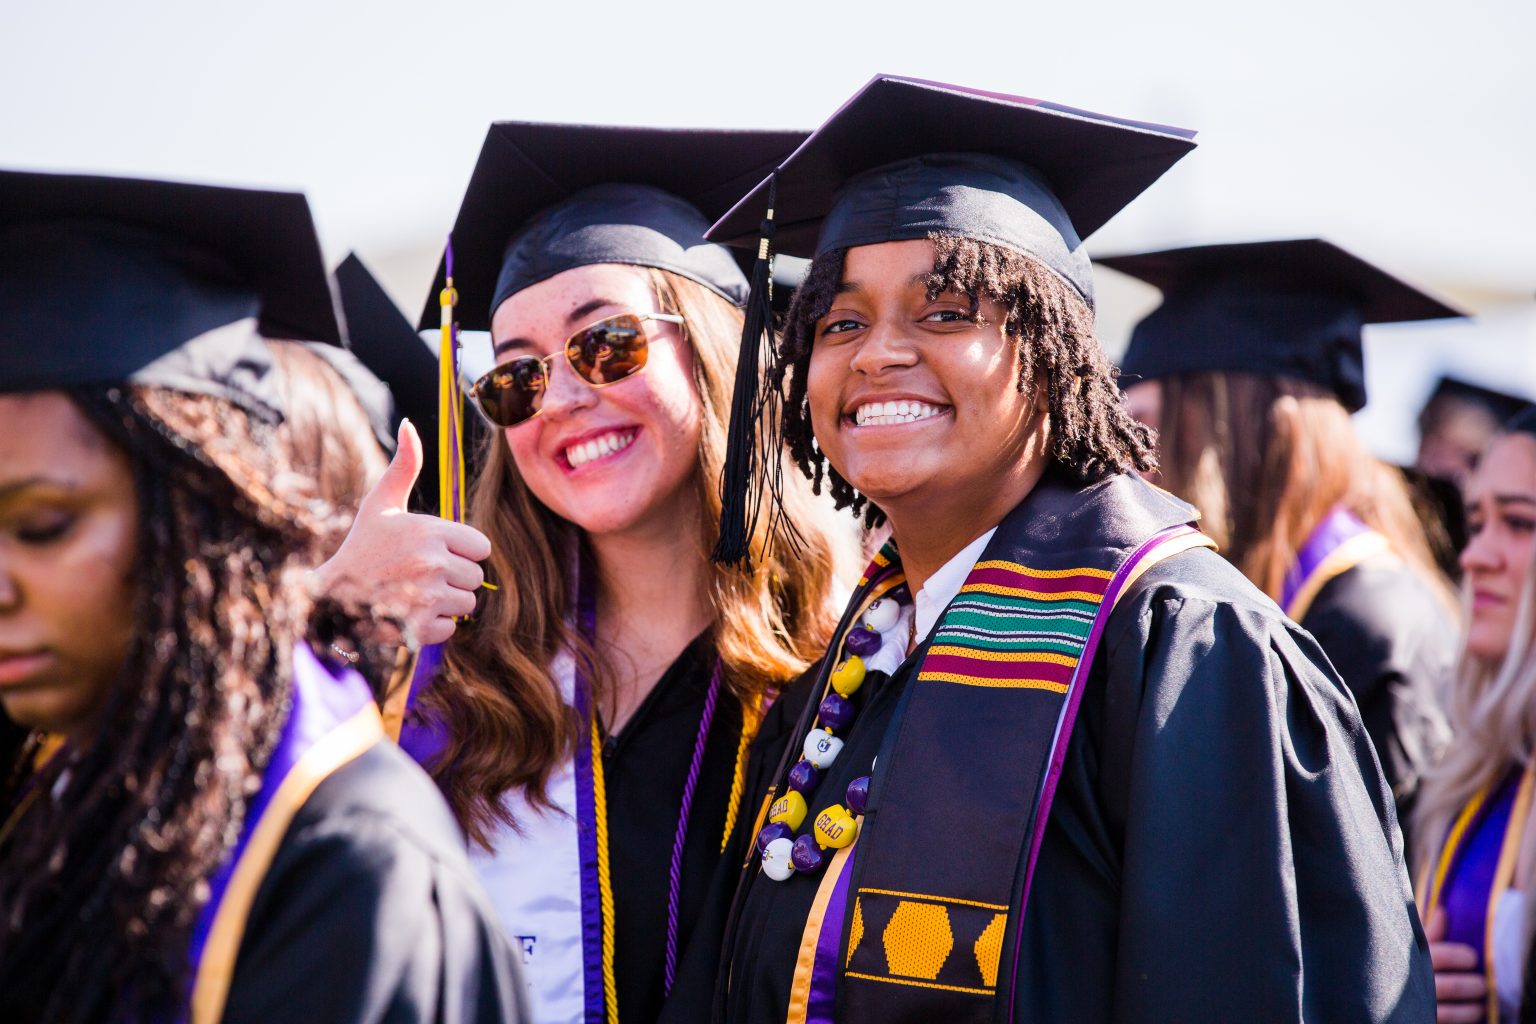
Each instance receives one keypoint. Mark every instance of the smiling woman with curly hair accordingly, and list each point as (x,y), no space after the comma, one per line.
(1060,761)
(200,817)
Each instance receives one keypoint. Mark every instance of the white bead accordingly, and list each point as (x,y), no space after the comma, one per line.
(822,748)
(776,863)
(882,615)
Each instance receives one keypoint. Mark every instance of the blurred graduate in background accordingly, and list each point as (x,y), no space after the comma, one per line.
(225,832)
(1249,371)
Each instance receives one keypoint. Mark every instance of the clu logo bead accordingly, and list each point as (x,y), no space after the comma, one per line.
(776,863)
(822,748)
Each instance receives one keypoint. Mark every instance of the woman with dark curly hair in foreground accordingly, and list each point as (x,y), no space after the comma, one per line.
(1061,761)
(201,819)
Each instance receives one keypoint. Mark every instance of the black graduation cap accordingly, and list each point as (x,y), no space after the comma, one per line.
(1290,308)
(1523,422)
(379,334)
(906,158)
(545,198)
(114,279)
(1501,405)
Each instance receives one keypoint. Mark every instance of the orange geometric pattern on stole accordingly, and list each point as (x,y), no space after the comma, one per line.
(918,940)
(989,949)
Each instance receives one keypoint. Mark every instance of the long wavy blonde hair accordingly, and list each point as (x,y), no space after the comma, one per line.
(1263,481)
(507,724)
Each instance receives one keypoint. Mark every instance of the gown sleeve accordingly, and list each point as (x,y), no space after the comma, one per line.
(369,914)
(1223,846)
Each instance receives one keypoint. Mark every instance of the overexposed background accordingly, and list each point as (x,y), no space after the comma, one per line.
(1405,131)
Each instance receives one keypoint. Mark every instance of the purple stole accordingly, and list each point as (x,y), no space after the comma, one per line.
(332,721)
(1336,545)
(1476,866)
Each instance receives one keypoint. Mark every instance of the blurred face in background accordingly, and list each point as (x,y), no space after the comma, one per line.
(68,534)
(1454,434)
(1500,498)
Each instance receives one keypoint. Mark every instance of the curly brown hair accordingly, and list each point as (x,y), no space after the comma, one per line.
(102,885)
(1092,434)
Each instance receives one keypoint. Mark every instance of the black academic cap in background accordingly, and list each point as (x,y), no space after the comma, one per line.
(106,280)
(379,334)
(907,158)
(1291,308)
(545,198)
(1501,405)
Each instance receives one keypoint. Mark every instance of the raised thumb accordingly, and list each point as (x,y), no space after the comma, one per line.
(393,491)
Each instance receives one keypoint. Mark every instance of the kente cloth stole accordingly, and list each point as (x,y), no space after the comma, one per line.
(964,781)
(1336,545)
(333,721)
(1477,866)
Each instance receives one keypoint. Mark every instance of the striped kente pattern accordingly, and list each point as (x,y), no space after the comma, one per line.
(881,562)
(1013,626)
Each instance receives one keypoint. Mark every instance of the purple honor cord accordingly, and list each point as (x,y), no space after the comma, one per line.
(675,874)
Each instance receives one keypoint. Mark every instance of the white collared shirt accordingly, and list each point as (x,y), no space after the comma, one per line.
(940,588)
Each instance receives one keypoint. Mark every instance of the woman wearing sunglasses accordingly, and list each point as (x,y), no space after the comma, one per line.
(201,818)
(590,723)
(1477,837)
(1062,762)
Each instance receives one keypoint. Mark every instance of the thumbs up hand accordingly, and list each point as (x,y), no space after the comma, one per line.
(419,569)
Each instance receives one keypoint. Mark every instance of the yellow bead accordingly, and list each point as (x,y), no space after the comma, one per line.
(835,828)
(789,809)
(849,676)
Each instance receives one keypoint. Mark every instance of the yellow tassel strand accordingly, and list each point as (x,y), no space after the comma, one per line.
(604,879)
(450,436)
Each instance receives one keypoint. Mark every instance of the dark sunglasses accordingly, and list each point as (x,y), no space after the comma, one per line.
(603,353)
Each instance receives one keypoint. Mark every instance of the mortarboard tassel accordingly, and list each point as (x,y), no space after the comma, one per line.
(450,404)
(753,453)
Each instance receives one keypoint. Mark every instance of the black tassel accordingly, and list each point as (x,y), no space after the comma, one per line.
(754,463)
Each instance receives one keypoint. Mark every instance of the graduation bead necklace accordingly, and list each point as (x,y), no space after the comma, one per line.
(880,638)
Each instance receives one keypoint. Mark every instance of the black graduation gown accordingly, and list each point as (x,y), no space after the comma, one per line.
(645,768)
(1222,845)
(371,912)
(1394,644)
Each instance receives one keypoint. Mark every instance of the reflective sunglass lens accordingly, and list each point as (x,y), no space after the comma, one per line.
(513,392)
(608,351)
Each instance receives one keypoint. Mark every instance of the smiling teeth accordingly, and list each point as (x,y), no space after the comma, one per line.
(580,454)
(877,414)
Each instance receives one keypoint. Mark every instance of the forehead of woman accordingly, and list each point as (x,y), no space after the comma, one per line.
(1507,471)
(45,438)
(541,316)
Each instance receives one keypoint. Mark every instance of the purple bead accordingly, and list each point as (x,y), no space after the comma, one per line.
(835,713)
(803,777)
(806,855)
(771,831)
(858,792)
(862,641)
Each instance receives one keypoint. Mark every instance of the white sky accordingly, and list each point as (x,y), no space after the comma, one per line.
(1405,131)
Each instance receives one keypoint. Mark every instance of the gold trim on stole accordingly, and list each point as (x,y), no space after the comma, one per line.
(335,749)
